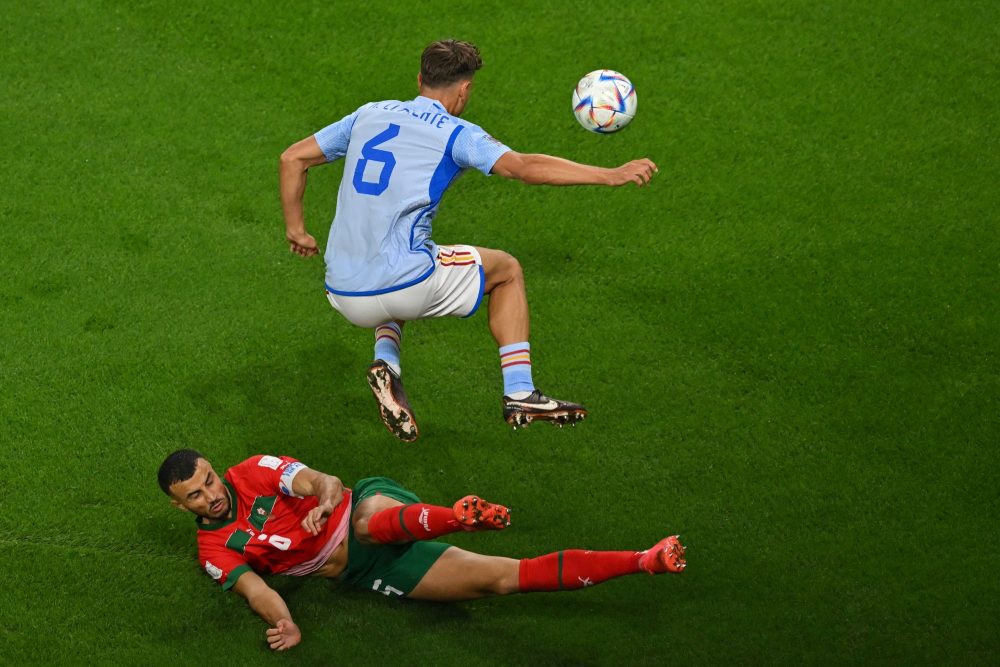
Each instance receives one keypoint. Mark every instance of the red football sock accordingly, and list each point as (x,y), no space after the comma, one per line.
(575,568)
(409,523)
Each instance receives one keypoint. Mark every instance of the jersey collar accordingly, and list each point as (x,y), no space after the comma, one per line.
(433,102)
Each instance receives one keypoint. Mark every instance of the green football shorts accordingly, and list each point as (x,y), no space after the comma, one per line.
(390,569)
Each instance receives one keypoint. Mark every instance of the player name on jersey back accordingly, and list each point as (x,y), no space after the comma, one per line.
(399,158)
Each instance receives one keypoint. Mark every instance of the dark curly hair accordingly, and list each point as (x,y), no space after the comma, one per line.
(178,467)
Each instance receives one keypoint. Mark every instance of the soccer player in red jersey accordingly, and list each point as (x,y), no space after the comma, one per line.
(273,515)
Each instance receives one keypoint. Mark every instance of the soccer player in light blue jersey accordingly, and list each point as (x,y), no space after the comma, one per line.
(383,268)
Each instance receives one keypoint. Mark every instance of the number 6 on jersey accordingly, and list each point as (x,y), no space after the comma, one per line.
(369,153)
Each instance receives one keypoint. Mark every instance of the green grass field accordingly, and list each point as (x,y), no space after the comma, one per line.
(788,342)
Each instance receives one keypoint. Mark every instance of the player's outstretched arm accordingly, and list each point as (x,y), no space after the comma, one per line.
(327,488)
(540,169)
(283,633)
(295,162)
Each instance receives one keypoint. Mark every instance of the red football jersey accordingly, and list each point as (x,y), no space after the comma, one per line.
(264,530)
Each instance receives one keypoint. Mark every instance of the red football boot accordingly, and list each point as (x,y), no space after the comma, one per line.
(474,513)
(667,555)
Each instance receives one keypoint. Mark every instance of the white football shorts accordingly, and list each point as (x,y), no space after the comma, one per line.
(454,289)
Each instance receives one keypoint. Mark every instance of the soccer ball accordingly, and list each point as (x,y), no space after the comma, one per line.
(604,101)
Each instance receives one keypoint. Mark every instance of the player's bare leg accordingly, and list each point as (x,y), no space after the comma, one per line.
(462,575)
(509,322)
(508,307)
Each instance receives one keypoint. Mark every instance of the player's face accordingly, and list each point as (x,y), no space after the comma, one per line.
(203,494)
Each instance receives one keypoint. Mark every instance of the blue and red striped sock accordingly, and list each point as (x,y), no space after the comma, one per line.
(387,340)
(515,364)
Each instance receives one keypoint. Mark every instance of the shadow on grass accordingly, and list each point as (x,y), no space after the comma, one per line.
(490,631)
(301,401)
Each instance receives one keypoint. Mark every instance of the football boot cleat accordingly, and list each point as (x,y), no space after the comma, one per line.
(667,555)
(393,407)
(539,407)
(474,513)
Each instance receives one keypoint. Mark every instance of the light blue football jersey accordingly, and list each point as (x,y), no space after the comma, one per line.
(400,157)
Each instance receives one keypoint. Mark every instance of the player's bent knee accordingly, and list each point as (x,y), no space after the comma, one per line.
(516,272)
(361,531)
(509,269)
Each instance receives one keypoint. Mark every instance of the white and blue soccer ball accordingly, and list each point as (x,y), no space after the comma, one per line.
(604,101)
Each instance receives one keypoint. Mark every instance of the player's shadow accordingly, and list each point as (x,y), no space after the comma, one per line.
(313,402)
(500,642)
(303,400)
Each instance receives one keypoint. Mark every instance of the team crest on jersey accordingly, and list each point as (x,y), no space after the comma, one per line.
(213,571)
(271,462)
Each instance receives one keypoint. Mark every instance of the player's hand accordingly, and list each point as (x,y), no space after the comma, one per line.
(317,517)
(284,636)
(302,244)
(636,171)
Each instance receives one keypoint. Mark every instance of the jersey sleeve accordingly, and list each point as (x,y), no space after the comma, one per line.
(333,139)
(224,566)
(266,475)
(475,148)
